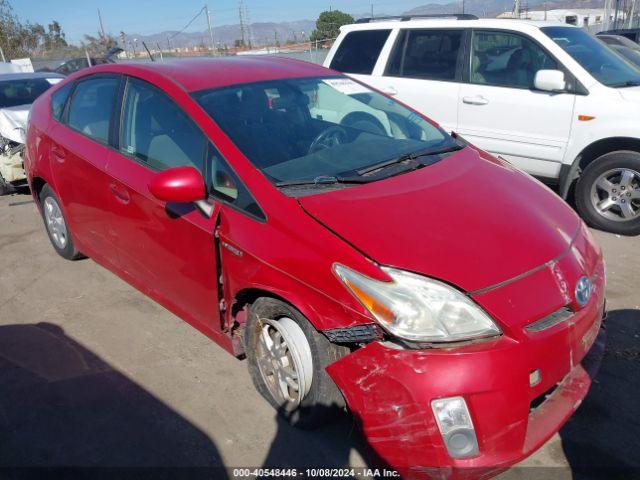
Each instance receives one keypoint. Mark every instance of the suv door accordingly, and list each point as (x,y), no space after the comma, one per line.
(166,250)
(424,70)
(79,151)
(501,111)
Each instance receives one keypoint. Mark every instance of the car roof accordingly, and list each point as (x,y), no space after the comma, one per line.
(446,22)
(29,75)
(195,74)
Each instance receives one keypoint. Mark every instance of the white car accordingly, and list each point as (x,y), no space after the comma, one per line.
(548,97)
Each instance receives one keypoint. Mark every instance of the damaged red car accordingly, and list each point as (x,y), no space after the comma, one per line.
(353,251)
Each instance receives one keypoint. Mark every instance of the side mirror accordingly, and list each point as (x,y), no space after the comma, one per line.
(179,185)
(550,81)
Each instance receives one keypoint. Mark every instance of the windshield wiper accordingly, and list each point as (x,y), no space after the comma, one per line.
(410,159)
(630,83)
(323,180)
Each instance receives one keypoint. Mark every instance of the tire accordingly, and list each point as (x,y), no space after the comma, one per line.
(608,193)
(322,401)
(5,188)
(56,225)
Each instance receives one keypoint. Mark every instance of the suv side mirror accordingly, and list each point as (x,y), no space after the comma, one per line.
(179,185)
(550,81)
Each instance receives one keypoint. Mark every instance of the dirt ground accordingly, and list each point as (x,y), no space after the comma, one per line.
(94,373)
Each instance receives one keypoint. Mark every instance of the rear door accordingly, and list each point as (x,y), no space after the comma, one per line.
(424,70)
(501,111)
(166,250)
(79,152)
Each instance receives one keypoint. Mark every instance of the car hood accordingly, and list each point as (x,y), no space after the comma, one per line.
(630,94)
(469,220)
(13,122)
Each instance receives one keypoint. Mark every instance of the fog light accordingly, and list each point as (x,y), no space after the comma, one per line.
(455,426)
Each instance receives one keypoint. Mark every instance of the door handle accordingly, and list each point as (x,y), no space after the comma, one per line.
(391,91)
(121,194)
(476,100)
(58,153)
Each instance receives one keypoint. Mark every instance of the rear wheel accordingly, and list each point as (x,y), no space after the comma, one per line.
(287,359)
(608,193)
(5,187)
(56,225)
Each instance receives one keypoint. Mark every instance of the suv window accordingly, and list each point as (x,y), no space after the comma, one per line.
(92,106)
(224,184)
(58,100)
(157,132)
(359,51)
(507,60)
(426,54)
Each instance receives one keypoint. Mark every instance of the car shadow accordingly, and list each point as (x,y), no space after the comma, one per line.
(62,406)
(601,440)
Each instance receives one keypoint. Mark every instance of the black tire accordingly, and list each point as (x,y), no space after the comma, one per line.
(5,188)
(324,401)
(608,162)
(69,250)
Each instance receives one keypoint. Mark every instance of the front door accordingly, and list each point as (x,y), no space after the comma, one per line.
(501,112)
(166,250)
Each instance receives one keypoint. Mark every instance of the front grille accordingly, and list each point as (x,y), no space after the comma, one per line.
(355,334)
(549,321)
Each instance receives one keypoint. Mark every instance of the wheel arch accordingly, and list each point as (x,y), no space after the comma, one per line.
(570,174)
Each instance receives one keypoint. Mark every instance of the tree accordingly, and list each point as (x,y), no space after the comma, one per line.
(328,25)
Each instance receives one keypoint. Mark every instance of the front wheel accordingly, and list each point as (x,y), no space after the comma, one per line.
(608,193)
(56,225)
(287,359)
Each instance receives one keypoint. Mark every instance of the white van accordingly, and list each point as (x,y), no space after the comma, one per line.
(550,98)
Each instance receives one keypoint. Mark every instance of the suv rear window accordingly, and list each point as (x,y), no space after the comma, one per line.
(427,54)
(359,51)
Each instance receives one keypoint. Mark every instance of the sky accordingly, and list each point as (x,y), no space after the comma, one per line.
(78,17)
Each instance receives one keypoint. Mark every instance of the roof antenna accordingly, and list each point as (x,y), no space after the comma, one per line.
(148,51)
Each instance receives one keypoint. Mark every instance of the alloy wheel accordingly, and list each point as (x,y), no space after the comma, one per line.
(284,360)
(55,223)
(616,194)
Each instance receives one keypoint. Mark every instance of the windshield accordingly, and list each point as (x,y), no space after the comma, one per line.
(320,130)
(594,56)
(22,92)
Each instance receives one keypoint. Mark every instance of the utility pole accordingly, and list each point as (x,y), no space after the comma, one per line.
(169,42)
(104,36)
(213,45)
(242,27)
(372,10)
(160,51)
(2,55)
(463,7)
(516,9)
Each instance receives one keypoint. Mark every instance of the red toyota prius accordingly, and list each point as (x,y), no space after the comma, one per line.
(354,252)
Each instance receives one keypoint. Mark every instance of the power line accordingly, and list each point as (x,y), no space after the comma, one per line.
(188,24)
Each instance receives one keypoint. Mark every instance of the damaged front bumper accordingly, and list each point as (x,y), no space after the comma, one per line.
(390,390)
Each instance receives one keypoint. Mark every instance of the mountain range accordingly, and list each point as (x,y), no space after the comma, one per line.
(268,33)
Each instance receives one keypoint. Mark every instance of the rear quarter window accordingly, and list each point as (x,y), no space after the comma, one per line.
(359,51)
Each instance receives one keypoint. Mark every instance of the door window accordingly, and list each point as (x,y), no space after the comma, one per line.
(507,60)
(426,54)
(91,107)
(359,51)
(157,132)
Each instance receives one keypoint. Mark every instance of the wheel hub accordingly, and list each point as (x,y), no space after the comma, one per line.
(616,194)
(284,360)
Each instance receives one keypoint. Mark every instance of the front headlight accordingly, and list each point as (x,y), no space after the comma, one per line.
(417,308)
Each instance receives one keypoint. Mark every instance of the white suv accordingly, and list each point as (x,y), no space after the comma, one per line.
(548,97)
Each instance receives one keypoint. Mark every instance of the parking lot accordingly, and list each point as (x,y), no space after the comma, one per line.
(92,372)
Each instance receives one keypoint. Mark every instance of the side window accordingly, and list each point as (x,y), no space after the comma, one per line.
(91,107)
(224,184)
(157,131)
(426,54)
(58,100)
(359,51)
(507,60)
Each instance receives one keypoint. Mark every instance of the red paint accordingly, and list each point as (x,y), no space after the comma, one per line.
(470,220)
(179,184)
